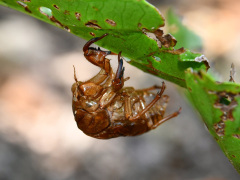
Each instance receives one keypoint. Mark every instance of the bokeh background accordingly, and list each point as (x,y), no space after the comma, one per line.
(38,135)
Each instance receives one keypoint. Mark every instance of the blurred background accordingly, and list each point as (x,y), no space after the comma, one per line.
(39,138)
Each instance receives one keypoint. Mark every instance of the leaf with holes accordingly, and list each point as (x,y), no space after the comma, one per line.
(128,23)
(219,106)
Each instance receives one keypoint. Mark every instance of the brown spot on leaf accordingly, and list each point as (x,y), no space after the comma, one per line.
(212,92)
(177,51)
(226,103)
(203,59)
(166,40)
(111,22)
(219,128)
(78,16)
(25,6)
(53,19)
(49,15)
(28,10)
(236,136)
(139,25)
(67,29)
(92,24)
(66,12)
(158,33)
(169,40)
(55,6)
(96,9)
(26,0)
(200,74)
(92,34)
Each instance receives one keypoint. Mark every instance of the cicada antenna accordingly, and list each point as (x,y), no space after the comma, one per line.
(75,77)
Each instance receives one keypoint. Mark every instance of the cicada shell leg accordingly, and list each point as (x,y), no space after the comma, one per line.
(127,106)
(96,56)
(150,88)
(118,81)
(158,96)
(97,79)
(91,41)
(166,118)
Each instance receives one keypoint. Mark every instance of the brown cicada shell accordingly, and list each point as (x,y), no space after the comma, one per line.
(104,109)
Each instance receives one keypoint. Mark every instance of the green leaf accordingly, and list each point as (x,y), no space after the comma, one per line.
(186,38)
(171,65)
(127,22)
(219,106)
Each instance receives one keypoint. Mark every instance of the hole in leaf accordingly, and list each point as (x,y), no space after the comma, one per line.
(166,40)
(25,6)
(236,136)
(157,58)
(225,100)
(67,29)
(56,6)
(22,4)
(111,22)
(46,11)
(92,24)
(92,34)
(203,59)
(78,16)
(219,128)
